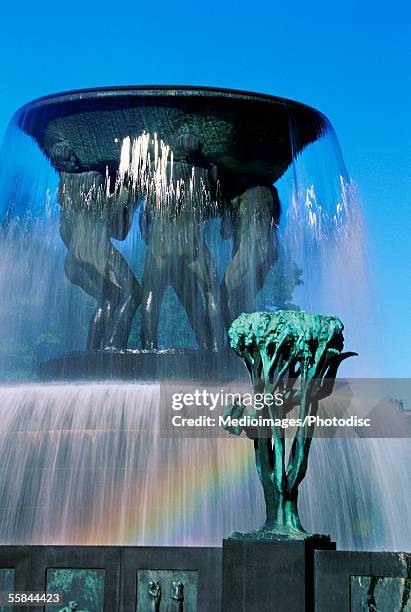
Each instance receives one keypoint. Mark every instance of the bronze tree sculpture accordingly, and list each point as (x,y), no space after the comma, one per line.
(293,355)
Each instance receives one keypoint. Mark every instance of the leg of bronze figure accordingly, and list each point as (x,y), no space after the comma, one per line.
(101,323)
(245,277)
(98,326)
(206,273)
(126,285)
(225,311)
(154,284)
(240,300)
(122,324)
(78,275)
(118,296)
(240,276)
(254,215)
(191,299)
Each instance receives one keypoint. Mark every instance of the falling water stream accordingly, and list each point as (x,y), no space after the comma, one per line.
(85,464)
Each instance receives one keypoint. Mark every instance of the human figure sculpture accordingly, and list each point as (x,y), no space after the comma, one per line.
(370,606)
(178,255)
(90,217)
(177,597)
(251,223)
(296,355)
(73,605)
(154,593)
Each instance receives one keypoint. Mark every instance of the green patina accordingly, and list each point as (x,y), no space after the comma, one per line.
(296,354)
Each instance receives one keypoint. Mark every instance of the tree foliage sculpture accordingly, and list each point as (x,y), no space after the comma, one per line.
(297,355)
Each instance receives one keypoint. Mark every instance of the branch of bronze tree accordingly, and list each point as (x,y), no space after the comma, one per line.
(325,384)
(292,398)
(277,353)
(235,411)
(297,454)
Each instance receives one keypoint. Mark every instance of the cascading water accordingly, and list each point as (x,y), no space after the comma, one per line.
(84,462)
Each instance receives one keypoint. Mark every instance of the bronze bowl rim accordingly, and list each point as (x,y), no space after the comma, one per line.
(175,91)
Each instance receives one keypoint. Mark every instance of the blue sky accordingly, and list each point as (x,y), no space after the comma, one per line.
(350,60)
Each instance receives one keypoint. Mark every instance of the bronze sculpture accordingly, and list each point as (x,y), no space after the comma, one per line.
(227,150)
(173,225)
(254,217)
(154,593)
(177,597)
(73,605)
(297,355)
(90,217)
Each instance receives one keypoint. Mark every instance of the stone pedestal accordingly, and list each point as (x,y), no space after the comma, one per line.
(141,365)
(269,576)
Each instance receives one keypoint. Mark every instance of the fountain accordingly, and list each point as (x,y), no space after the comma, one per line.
(137,224)
(193,156)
